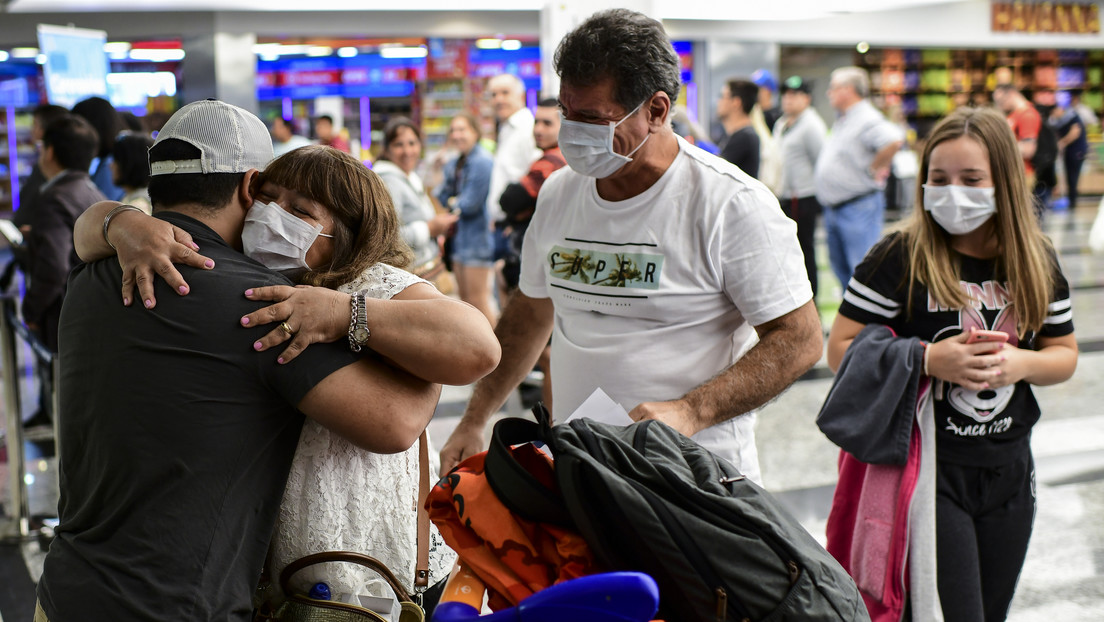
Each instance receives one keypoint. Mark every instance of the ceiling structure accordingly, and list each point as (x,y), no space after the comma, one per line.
(739,10)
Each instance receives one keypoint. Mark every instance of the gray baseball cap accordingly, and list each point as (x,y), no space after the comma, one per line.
(230,139)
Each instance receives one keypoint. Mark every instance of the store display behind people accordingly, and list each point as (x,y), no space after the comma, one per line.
(973,258)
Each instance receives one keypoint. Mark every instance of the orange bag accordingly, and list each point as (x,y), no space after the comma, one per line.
(514,557)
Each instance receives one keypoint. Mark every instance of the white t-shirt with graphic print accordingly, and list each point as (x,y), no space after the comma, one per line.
(656,294)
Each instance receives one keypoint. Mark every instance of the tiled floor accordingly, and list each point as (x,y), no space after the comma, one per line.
(1063,578)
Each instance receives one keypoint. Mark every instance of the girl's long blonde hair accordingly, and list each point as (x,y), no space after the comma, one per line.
(1025,255)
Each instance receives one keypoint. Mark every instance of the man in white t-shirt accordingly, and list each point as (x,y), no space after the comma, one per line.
(653,265)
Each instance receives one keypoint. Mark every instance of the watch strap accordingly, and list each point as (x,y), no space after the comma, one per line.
(358,322)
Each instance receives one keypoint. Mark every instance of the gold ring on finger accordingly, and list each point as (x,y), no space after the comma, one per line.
(284,326)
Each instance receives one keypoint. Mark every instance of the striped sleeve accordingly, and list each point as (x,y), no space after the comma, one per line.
(872,295)
(1059,319)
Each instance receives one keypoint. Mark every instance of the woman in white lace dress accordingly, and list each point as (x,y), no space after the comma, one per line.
(323,217)
(340,497)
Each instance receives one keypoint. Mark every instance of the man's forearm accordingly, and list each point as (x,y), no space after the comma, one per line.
(787,348)
(884,157)
(88,239)
(523,331)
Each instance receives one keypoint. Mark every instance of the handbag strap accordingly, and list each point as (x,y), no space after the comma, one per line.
(421,568)
(343,556)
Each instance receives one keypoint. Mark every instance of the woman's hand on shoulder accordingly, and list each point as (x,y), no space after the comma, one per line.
(974,366)
(303,315)
(148,247)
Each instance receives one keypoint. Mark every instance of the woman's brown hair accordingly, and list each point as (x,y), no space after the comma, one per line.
(366,226)
(1025,255)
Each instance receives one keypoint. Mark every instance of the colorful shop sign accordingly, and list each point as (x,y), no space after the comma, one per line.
(1025,16)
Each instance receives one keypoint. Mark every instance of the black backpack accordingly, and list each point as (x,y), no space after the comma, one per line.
(647,498)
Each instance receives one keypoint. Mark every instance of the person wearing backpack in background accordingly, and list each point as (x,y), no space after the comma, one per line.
(1037,143)
(1072,142)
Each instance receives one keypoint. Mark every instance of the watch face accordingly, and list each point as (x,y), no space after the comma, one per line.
(361,335)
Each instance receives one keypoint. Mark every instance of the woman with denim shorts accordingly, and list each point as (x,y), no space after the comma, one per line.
(467,181)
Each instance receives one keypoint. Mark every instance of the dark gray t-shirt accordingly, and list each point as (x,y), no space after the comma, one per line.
(742,149)
(176,440)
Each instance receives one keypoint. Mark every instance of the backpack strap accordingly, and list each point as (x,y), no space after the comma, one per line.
(518,490)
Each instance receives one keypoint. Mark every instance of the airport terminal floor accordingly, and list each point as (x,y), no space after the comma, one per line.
(1063,578)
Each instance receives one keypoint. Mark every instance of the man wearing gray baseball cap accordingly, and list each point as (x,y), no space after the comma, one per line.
(176,435)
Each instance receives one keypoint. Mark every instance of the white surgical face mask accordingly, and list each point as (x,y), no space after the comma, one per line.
(277,239)
(960,209)
(588,147)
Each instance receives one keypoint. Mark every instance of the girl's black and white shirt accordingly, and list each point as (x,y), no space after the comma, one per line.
(976,428)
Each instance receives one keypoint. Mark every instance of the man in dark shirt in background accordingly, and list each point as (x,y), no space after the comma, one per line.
(41,118)
(68,146)
(741,144)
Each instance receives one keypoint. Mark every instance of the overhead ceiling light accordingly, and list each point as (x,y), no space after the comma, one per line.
(24,52)
(347,52)
(404,52)
(488,44)
(511,44)
(156,55)
(267,49)
(277,50)
(4,56)
(40,59)
(116,47)
(319,50)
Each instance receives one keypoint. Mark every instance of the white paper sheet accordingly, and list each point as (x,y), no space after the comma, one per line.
(601,408)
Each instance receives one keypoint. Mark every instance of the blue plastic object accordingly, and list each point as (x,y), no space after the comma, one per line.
(320,591)
(608,597)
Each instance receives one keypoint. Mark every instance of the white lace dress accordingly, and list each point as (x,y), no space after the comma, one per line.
(340,497)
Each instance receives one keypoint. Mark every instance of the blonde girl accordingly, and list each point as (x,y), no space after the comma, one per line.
(974,258)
